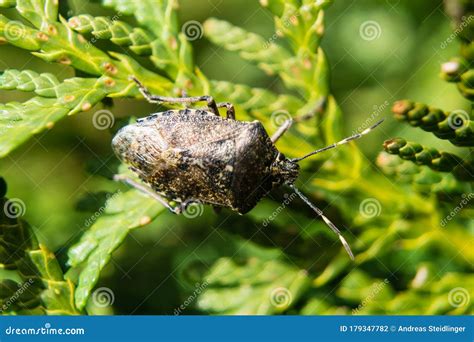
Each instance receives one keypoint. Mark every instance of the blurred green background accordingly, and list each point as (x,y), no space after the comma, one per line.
(50,172)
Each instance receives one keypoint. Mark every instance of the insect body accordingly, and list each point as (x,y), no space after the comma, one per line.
(196,155)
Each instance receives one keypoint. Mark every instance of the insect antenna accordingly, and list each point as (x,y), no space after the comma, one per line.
(342,142)
(325,219)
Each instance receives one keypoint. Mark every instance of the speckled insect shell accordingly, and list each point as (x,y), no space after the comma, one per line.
(194,154)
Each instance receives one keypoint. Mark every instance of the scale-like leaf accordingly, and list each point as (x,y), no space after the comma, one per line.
(43,289)
(304,67)
(147,11)
(241,277)
(251,46)
(121,213)
(253,287)
(19,121)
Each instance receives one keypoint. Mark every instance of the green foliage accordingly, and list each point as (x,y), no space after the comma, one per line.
(244,278)
(39,286)
(456,126)
(392,219)
(121,213)
(120,33)
(56,100)
(438,161)
(423,179)
(459,69)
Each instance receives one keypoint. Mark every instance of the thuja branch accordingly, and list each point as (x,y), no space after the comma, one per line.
(431,157)
(456,126)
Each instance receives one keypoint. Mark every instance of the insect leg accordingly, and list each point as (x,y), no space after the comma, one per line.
(217,209)
(230,109)
(288,123)
(184,93)
(281,130)
(147,190)
(165,99)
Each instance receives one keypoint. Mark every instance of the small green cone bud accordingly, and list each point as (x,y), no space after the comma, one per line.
(410,150)
(446,162)
(418,112)
(468,78)
(451,71)
(467,92)
(465,135)
(430,121)
(425,156)
(393,146)
(400,108)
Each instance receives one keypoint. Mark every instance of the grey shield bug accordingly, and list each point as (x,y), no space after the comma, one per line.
(195,155)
